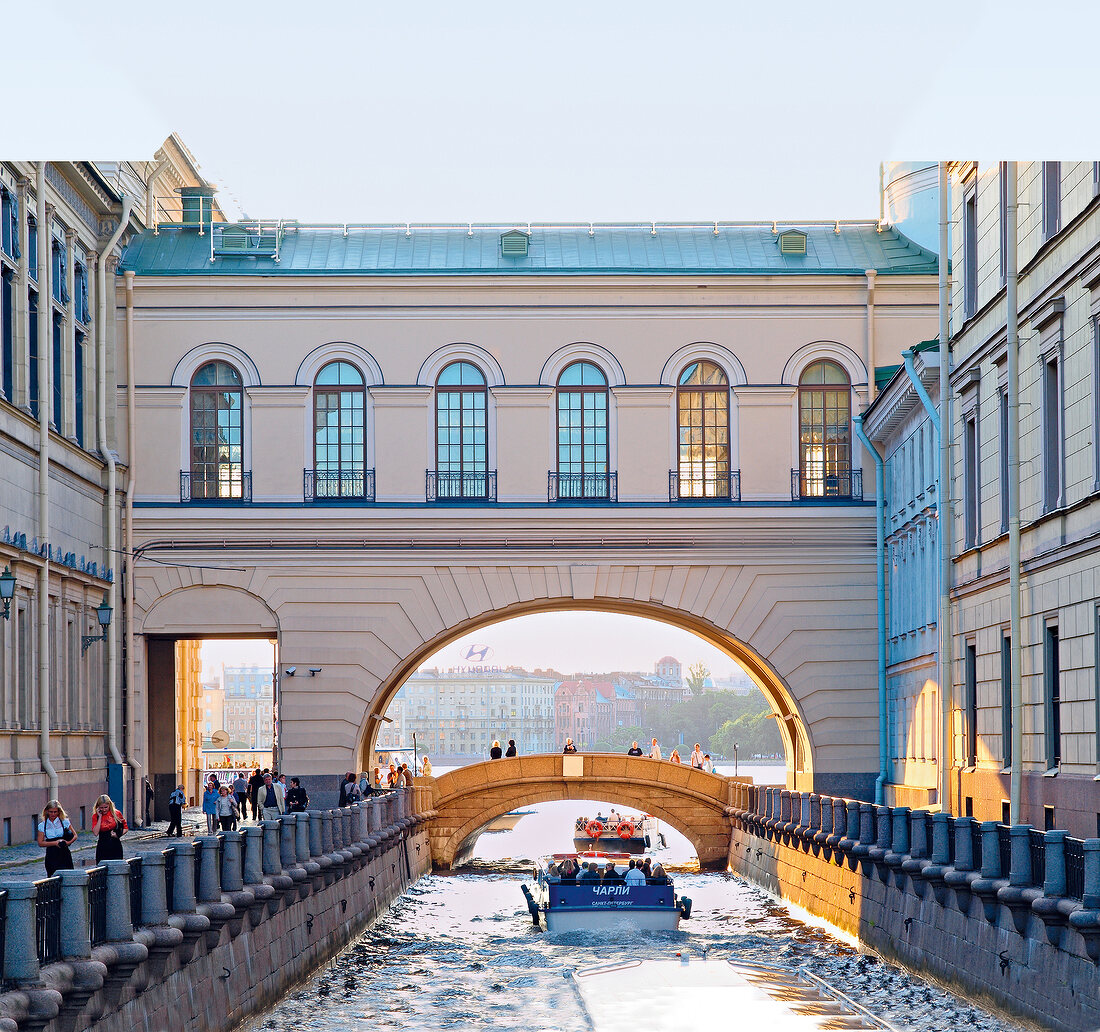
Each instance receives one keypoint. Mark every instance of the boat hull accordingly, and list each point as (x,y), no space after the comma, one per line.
(586,919)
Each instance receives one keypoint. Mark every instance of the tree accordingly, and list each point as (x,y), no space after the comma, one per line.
(696,676)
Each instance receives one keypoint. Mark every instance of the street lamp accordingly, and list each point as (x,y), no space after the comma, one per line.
(103,615)
(735,759)
(7,590)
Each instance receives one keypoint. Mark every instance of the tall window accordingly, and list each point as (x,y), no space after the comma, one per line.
(9,223)
(217,432)
(970,252)
(339,407)
(56,381)
(7,332)
(78,387)
(1052,434)
(582,432)
(824,435)
(1006,701)
(461,432)
(1052,198)
(32,349)
(1052,683)
(1002,182)
(1002,405)
(702,400)
(971,480)
(970,724)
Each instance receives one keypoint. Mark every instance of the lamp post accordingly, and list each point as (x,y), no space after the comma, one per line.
(7,590)
(735,759)
(103,615)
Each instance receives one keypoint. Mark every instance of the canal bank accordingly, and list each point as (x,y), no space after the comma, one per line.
(198,937)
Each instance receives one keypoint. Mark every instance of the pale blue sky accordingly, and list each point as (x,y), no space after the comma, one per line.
(517,111)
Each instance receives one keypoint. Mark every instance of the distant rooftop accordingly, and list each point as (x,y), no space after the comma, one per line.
(711,248)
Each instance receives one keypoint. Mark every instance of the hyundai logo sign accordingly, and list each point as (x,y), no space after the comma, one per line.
(477,653)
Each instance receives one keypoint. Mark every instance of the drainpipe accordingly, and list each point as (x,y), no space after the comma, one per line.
(918,386)
(128,544)
(1013,349)
(45,403)
(109,459)
(943,498)
(872,387)
(880,586)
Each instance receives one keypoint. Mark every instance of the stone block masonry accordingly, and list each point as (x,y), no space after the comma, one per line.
(240,918)
(1006,916)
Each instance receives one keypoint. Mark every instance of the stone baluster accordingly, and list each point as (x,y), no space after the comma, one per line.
(883,828)
(815,812)
(1091,898)
(154,901)
(941,838)
(210,886)
(899,838)
(964,844)
(316,847)
(119,926)
(271,857)
(796,810)
(232,877)
(1019,874)
(1054,850)
(253,854)
(76,933)
(839,823)
(326,832)
(287,856)
(991,851)
(824,819)
(918,843)
(301,838)
(784,808)
(20,954)
(374,815)
(862,848)
(851,824)
(183,894)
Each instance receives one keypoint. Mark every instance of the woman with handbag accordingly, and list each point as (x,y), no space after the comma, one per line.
(54,834)
(110,826)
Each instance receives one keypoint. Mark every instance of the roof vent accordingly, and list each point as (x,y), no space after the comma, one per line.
(513,244)
(792,241)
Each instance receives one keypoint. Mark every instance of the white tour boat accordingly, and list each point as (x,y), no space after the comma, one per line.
(685,993)
(564,904)
(620,832)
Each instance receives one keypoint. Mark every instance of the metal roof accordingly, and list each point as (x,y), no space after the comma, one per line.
(579,249)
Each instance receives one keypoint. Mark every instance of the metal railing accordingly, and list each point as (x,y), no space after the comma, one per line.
(582,487)
(135,891)
(1037,844)
(3,930)
(723,488)
(1075,868)
(976,845)
(344,485)
(824,481)
(460,487)
(97,904)
(215,489)
(1004,847)
(170,875)
(47,919)
(198,863)
(251,239)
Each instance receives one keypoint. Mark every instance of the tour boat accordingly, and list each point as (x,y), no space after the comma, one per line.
(680,992)
(597,905)
(507,821)
(625,833)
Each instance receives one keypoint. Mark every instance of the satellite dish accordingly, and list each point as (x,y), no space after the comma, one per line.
(219,739)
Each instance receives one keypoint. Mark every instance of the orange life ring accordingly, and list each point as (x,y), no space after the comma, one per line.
(625,829)
(594,829)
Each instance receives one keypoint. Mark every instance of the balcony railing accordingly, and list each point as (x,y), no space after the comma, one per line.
(824,481)
(723,488)
(231,487)
(582,487)
(47,919)
(346,485)
(97,903)
(460,487)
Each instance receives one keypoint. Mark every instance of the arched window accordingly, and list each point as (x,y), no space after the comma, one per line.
(582,433)
(703,404)
(461,433)
(825,432)
(217,434)
(339,434)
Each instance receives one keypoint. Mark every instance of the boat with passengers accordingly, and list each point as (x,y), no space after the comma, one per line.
(659,993)
(619,832)
(588,891)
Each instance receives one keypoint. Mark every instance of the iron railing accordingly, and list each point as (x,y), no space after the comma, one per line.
(1075,868)
(976,844)
(1037,845)
(198,864)
(3,930)
(338,485)
(582,487)
(97,904)
(234,488)
(47,919)
(460,487)
(1004,847)
(170,876)
(818,481)
(725,487)
(135,891)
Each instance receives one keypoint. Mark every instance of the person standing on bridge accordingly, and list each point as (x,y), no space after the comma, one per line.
(495,752)
(296,798)
(634,750)
(176,802)
(511,750)
(654,750)
(569,746)
(697,757)
(271,799)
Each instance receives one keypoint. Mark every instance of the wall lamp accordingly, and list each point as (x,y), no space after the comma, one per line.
(7,590)
(103,615)
(314,671)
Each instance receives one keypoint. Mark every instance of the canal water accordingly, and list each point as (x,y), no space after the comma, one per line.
(459,951)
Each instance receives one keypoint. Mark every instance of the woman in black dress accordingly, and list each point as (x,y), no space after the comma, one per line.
(54,834)
(110,826)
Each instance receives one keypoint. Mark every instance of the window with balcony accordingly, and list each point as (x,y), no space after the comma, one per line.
(217,437)
(703,436)
(461,437)
(339,437)
(583,464)
(825,435)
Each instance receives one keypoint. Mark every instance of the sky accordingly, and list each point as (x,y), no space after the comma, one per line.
(505,111)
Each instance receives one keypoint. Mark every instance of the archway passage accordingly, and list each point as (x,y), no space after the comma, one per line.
(464,801)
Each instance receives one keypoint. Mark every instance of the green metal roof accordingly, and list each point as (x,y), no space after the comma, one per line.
(884,374)
(647,248)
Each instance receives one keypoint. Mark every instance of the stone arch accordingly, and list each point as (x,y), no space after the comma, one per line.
(209,611)
(582,351)
(833,350)
(699,351)
(448,353)
(341,351)
(211,352)
(793,728)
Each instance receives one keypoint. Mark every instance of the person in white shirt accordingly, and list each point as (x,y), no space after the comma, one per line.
(697,757)
(654,750)
(271,799)
(708,764)
(54,834)
(634,875)
(176,803)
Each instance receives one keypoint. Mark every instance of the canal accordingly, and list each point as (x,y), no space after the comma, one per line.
(458,951)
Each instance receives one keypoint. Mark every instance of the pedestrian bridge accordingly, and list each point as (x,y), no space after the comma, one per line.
(464,801)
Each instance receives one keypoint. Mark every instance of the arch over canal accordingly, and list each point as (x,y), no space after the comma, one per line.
(464,801)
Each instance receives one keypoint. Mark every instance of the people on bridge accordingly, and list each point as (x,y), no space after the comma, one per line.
(654,750)
(697,757)
(674,756)
(511,750)
(296,798)
(110,826)
(378,786)
(495,752)
(271,798)
(227,811)
(708,764)
(406,779)
(210,805)
(569,746)
(345,784)
(176,802)
(54,835)
(426,767)
(391,775)
(634,875)
(634,750)
(240,791)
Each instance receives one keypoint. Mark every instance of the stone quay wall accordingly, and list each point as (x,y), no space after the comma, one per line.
(199,937)
(1007,916)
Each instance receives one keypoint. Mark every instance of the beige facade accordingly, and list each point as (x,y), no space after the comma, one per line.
(366,592)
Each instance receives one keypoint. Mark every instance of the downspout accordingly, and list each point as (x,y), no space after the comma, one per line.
(918,386)
(943,499)
(1013,348)
(880,588)
(109,459)
(128,544)
(45,403)
(872,387)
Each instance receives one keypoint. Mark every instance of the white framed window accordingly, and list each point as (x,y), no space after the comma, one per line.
(1052,198)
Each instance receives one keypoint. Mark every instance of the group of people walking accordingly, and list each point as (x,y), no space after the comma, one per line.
(699,759)
(226,804)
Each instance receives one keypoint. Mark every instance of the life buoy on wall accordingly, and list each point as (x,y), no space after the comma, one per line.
(625,829)
(594,829)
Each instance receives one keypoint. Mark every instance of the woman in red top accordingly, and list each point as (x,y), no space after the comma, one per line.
(110,826)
